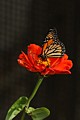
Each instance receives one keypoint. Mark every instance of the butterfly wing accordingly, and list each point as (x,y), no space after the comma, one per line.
(57,49)
(48,41)
(52,46)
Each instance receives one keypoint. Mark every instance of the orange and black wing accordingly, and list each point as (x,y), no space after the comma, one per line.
(52,46)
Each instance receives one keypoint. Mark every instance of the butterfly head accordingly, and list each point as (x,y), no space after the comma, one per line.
(44,57)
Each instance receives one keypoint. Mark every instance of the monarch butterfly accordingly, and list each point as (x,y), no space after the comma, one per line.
(52,46)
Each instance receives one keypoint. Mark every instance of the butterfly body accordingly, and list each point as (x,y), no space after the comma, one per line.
(52,46)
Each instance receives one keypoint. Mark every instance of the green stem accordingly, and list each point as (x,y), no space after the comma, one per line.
(35,90)
(23,115)
(33,94)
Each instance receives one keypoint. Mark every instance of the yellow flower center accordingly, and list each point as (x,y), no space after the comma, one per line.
(46,62)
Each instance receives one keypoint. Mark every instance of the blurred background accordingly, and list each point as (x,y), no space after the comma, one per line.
(27,21)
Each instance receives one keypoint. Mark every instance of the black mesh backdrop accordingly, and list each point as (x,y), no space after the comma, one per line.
(27,21)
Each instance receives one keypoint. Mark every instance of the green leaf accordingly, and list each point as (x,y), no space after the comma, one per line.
(29,110)
(16,108)
(40,113)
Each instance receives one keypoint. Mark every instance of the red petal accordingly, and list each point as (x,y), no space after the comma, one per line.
(63,66)
(34,49)
(24,60)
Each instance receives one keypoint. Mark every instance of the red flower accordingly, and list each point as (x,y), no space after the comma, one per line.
(34,63)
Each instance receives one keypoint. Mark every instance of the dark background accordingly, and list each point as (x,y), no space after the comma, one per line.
(27,21)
